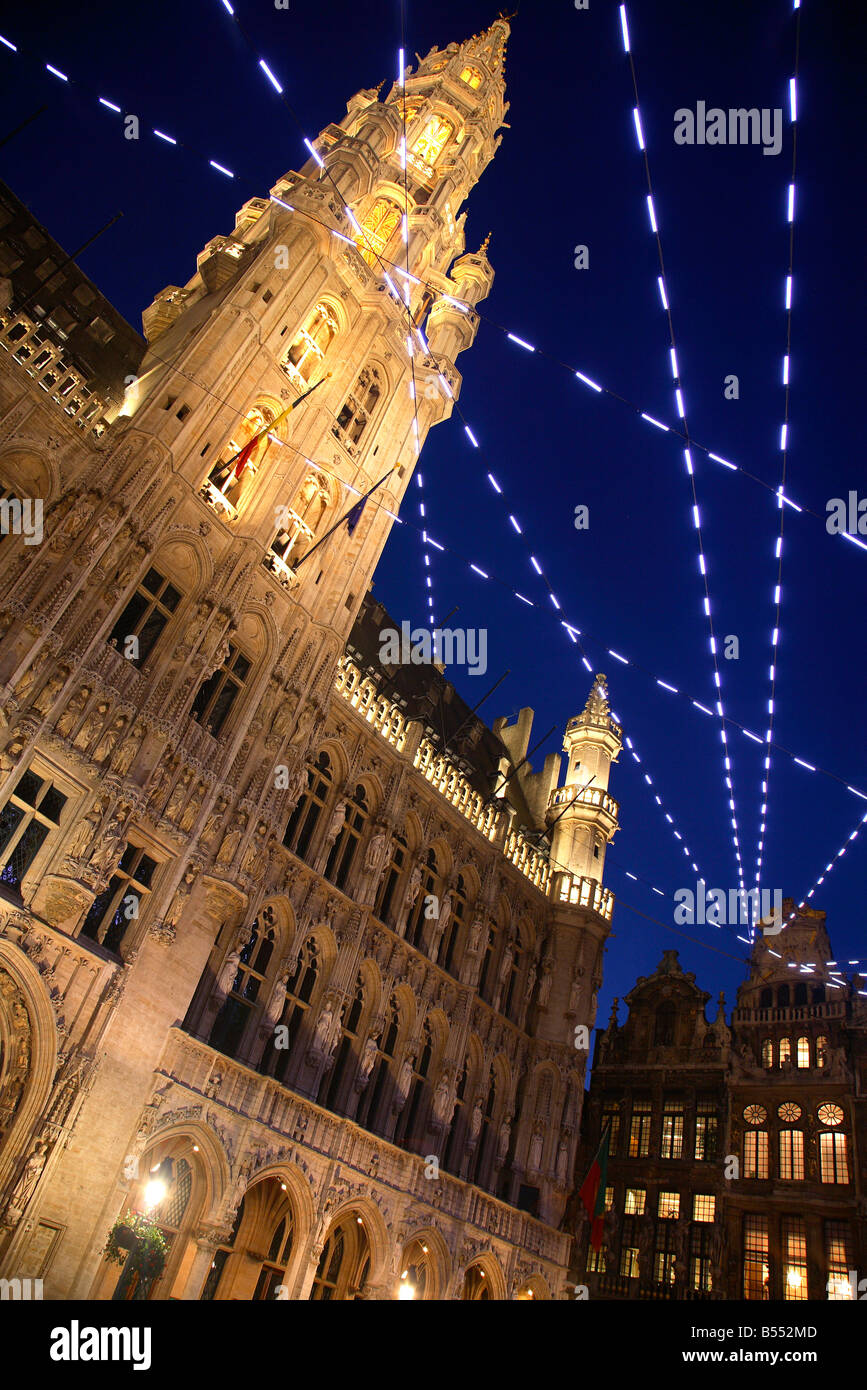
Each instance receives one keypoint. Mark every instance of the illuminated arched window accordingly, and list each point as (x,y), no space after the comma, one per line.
(377,229)
(785,1051)
(300,522)
(172,1216)
(433,139)
(233,472)
(472,77)
(768,1052)
(803,1052)
(312,343)
(821,1052)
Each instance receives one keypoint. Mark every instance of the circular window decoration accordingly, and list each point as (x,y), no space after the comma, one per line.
(755,1114)
(789,1112)
(830,1115)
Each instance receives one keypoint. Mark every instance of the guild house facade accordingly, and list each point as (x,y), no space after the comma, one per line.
(736,1165)
(289,934)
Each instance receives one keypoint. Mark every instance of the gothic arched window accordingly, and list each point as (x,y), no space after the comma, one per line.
(479,1164)
(475,1285)
(312,343)
(452,1157)
(472,77)
(385,896)
(273,1271)
(487,976)
(299,992)
(344,848)
(377,229)
(372,1100)
(406,1132)
(332,1082)
(344,1262)
(305,817)
(231,475)
(299,523)
(231,1021)
(454,926)
(416,926)
(359,405)
(511,997)
(433,139)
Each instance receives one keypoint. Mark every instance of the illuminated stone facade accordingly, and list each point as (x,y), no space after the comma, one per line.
(259,915)
(737,1155)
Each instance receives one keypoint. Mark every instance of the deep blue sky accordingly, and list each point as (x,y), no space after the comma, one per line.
(568,172)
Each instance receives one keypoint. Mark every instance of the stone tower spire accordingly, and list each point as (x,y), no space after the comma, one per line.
(582,813)
(312,287)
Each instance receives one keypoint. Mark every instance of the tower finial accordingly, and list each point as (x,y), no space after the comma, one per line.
(597,700)
(483,249)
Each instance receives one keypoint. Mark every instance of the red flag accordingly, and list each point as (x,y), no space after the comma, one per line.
(244,455)
(592,1190)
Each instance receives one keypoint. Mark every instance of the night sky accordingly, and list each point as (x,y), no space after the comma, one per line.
(568,172)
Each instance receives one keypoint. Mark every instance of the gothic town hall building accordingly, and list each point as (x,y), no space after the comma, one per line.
(276,920)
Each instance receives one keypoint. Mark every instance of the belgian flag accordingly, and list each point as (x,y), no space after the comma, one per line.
(592,1190)
(237,464)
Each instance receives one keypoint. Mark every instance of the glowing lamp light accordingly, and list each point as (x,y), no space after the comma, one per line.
(154,1193)
(406,1290)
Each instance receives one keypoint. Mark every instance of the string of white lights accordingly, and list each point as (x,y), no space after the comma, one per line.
(591,384)
(572,632)
(828,869)
(784,456)
(419,479)
(600,388)
(728,769)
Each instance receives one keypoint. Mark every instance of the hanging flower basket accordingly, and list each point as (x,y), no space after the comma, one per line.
(135,1233)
